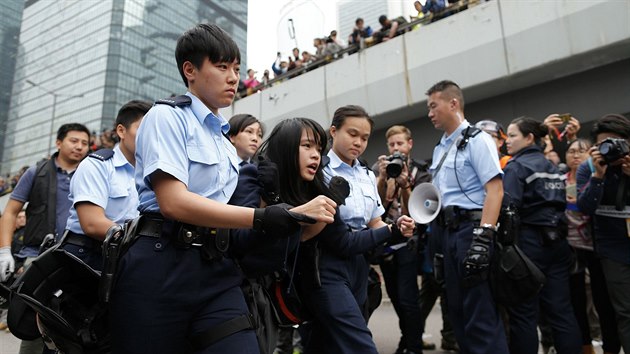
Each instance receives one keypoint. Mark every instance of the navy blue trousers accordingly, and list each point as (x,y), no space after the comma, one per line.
(337,307)
(91,257)
(165,294)
(554,299)
(472,311)
(401,282)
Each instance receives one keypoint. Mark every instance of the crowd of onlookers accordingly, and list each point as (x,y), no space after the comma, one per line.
(105,139)
(331,47)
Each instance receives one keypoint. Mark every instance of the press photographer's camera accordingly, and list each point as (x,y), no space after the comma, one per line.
(396,163)
(613,149)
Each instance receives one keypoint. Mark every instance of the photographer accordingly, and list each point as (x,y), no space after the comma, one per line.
(602,184)
(397,174)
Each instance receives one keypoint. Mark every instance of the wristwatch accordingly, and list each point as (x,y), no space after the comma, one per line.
(489,226)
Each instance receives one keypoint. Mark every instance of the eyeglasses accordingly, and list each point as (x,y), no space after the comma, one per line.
(576,152)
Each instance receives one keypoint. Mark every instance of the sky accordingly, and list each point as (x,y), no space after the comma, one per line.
(268,27)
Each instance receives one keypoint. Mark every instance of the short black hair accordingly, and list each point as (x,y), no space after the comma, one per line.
(205,41)
(64,129)
(239,122)
(382,19)
(611,123)
(340,115)
(131,112)
(359,19)
(450,89)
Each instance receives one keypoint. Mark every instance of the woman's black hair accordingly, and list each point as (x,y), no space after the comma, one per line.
(528,125)
(283,147)
(239,122)
(581,143)
(350,111)
(611,123)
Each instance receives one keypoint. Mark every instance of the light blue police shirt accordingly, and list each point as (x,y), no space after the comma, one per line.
(189,144)
(473,167)
(108,184)
(363,204)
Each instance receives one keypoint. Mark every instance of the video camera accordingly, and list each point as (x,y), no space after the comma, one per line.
(612,150)
(396,162)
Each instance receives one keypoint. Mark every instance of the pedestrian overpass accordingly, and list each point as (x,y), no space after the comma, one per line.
(511,58)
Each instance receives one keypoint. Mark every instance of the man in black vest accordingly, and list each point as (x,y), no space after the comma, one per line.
(45,187)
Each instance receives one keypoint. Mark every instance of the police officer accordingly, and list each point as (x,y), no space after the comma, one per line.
(466,172)
(350,130)
(103,191)
(246,133)
(176,292)
(536,188)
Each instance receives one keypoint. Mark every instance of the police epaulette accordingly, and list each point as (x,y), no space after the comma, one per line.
(102,154)
(325,161)
(469,132)
(177,101)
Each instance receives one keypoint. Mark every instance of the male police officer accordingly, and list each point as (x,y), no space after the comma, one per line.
(103,191)
(466,172)
(176,291)
(45,187)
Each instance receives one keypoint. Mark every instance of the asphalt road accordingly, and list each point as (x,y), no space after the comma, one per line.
(383,324)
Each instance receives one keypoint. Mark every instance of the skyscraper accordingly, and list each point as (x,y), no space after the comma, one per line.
(10,20)
(80,61)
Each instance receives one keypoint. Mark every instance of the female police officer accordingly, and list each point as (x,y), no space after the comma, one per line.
(175,293)
(350,130)
(534,186)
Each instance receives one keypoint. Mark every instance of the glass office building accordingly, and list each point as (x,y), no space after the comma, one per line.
(80,61)
(10,20)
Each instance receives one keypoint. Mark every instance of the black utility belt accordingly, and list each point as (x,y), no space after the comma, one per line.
(212,242)
(452,216)
(81,240)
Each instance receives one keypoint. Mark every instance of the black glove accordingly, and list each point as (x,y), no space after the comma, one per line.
(278,221)
(269,181)
(477,261)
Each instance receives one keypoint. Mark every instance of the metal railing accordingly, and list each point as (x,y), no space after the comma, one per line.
(354,48)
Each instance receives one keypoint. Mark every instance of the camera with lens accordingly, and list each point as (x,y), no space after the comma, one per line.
(396,163)
(613,149)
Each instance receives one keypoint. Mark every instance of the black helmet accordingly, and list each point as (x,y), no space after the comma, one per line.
(63,291)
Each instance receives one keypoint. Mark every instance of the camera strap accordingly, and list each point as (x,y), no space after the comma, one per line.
(622,192)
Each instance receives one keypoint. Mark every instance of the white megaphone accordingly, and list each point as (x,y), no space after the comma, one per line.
(425,203)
